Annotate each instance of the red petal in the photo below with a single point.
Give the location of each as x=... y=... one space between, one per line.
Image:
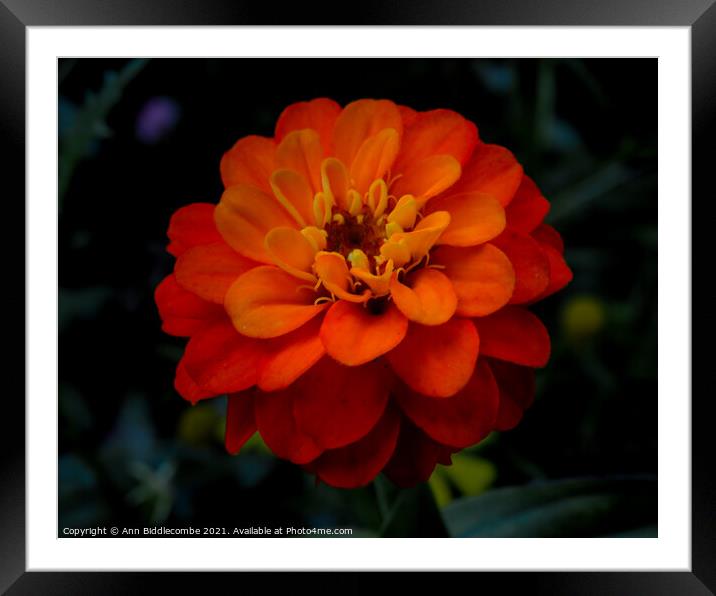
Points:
x=437 y=360
x=240 y=420
x=359 y=463
x=221 y=360
x=461 y=420
x=559 y=272
x=528 y=207
x=250 y=161
x=516 y=335
x=529 y=263
x=517 y=392
x=336 y=405
x=209 y=270
x=546 y=234
x=415 y=457
x=190 y=226
x=291 y=355
x=277 y=426
x=187 y=387
x=182 y=312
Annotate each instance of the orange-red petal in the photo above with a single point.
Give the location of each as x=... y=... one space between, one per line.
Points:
x=354 y=335
x=492 y=170
x=517 y=392
x=474 y=218
x=291 y=355
x=437 y=361
x=359 y=121
x=427 y=177
x=529 y=262
x=250 y=161
x=191 y=226
x=294 y=192
x=301 y=152
x=188 y=387
x=244 y=216
x=374 y=158
x=559 y=272
x=527 y=208
x=427 y=298
x=318 y=114
x=277 y=427
x=267 y=302
x=436 y=132
x=240 y=420
x=182 y=312
x=482 y=277
x=209 y=270
x=359 y=463
x=292 y=252
x=220 y=360
x=461 y=420
x=336 y=405
x=514 y=334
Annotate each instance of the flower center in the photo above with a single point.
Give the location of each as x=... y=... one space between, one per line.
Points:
x=346 y=233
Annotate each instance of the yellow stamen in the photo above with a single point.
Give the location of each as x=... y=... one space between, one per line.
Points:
x=391 y=228
x=378 y=197
x=358 y=259
x=316 y=237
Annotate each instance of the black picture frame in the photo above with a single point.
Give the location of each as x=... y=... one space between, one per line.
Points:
x=17 y=15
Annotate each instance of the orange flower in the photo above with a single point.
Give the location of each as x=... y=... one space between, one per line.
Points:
x=360 y=290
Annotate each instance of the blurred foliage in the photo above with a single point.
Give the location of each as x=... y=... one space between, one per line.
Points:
x=583 y=460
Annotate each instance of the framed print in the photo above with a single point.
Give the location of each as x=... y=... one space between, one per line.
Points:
x=420 y=286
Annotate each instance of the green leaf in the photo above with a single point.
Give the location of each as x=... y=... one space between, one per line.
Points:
x=576 y=507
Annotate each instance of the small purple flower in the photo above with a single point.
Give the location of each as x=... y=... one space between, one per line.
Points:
x=156 y=119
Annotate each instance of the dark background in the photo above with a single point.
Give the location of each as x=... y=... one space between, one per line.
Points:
x=132 y=452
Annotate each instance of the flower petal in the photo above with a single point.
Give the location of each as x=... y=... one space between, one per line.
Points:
x=528 y=207
x=291 y=355
x=415 y=456
x=220 y=360
x=332 y=269
x=516 y=335
x=529 y=262
x=250 y=161
x=267 y=302
x=437 y=361
x=209 y=270
x=240 y=420
x=374 y=158
x=244 y=216
x=427 y=177
x=359 y=463
x=301 y=152
x=492 y=170
x=277 y=427
x=474 y=218
x=294 y=192
x=182 y=312
x=353 y=335
x=319 y=114
x=517 y=392
x=336 y=405
x=436 y=132
x=461 y=420
x=546 y=234
x=428 y=298
x=424 y=235
x=559 y=272
x=361 y=120
x=188 y=387
x=292 y=252
x=482 y=277
x=191 y=226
